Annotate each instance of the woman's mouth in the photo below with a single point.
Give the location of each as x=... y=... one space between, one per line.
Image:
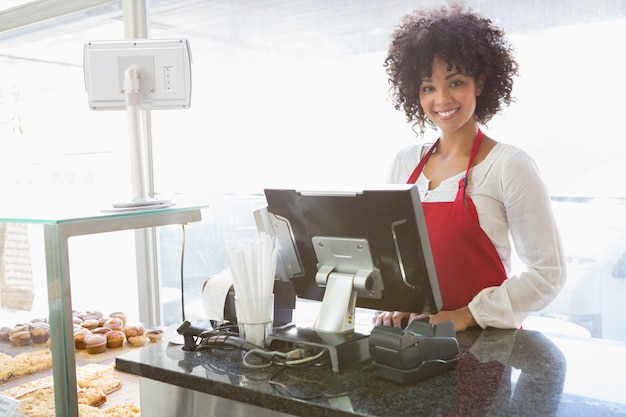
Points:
x=447 y=113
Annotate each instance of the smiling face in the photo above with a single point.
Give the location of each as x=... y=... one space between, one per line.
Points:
x=448 y=97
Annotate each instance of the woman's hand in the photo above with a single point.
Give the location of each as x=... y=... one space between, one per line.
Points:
x=462 y=318
x=397 y=319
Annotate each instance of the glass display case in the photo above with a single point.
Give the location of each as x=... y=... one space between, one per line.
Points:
x=58 y=226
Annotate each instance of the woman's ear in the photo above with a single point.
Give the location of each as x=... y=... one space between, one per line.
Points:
x=480 y=84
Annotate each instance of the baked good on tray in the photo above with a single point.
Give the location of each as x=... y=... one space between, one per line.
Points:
x=20 y=338
x=23 y=364
x=115 y=339
x=95 y=382
x=39 y=332
x=95 y=343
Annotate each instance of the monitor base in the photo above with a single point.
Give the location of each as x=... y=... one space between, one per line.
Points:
x=139 y=205
x=345 y=349
x=142 y=202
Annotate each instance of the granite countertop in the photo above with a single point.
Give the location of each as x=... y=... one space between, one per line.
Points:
x=500 y=373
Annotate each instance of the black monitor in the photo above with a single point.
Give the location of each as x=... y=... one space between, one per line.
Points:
x=366 y=248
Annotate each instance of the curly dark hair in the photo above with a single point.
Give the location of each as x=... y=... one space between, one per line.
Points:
x=465 y=40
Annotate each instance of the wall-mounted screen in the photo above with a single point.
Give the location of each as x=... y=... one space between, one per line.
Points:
x=163 y=68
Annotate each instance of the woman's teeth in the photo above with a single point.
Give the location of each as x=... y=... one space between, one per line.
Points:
x=447 y=113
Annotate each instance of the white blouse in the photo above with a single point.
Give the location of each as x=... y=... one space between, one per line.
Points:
x=513 y=206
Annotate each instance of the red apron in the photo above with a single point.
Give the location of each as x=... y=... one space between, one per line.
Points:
x=465 y=258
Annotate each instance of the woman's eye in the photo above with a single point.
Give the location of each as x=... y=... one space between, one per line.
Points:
x=427 y=89
x=456 y=83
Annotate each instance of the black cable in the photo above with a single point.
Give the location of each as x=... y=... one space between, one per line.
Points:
x=282 y=388
x=207 y=339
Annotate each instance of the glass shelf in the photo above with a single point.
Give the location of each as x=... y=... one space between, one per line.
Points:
x=59 y=224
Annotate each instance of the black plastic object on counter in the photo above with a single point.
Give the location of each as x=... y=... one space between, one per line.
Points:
x=415 y=353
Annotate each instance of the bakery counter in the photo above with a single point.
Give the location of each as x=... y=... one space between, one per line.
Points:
x=500 y=373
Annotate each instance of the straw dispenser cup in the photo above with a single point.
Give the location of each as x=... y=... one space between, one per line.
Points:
x=253 y=269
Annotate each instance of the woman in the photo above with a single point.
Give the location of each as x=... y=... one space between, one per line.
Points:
x=452 y=69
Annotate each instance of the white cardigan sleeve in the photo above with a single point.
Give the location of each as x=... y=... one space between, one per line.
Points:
x=526 y=209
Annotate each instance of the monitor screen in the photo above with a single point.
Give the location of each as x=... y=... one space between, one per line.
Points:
x=369 y=245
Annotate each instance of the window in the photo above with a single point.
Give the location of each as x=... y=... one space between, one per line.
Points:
x=299 y=88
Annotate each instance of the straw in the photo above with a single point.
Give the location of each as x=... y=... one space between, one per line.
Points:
x=253 y=268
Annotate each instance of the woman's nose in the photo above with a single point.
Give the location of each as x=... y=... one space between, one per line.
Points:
x=442 y=96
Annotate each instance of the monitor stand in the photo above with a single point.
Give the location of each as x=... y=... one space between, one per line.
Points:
x=345 y=349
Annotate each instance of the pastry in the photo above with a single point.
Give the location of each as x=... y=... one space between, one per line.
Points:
x=95 y=343
x=115 y=339
x=131 y=331
x=98 y=376
x=94 y=382
x=155 y=335
x=20 y=338
x=114 y=323
x=91 y=315
x=79 y=338
x=4 y=334
x=24 y=364
x=40 y=332
x=101 y=330
x=119 y=315
x=18 y=328
x=138 y=340
x=90 y=323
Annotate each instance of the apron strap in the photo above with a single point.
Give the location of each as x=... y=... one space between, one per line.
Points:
x=463 y=181
x=420 y=166
x=477 y=141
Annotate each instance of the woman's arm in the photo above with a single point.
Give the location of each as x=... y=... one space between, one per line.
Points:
x=533 y=230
